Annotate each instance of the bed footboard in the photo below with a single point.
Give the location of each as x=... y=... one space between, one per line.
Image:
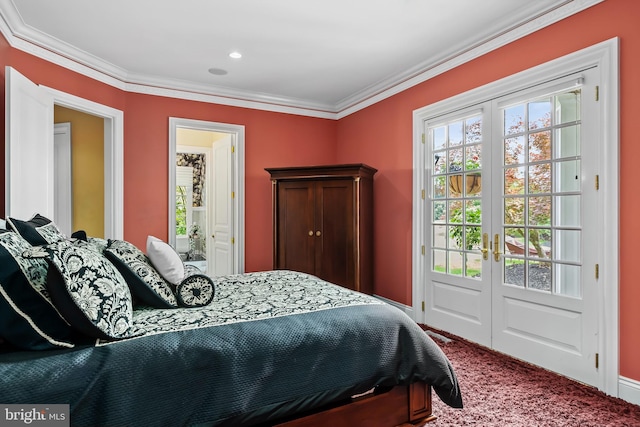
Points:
x=400 y=406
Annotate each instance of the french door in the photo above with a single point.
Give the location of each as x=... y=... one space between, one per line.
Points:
x=512 y=224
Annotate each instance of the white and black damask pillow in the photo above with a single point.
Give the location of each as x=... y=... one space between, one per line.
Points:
x=147 y=285
x=87 y=289
x=28 y=317
x=39 y=230
x=195 y=290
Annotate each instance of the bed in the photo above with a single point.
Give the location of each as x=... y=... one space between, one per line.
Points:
x=270 y=348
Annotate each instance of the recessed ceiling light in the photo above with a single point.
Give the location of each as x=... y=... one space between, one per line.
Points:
x=235 y=55
x=217 y=71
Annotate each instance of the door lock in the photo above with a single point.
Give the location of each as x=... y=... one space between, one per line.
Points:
x=485 y=246
x=496 y=247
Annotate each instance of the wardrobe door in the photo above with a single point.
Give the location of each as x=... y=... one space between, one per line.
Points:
x=335 y=225
x=296 y=239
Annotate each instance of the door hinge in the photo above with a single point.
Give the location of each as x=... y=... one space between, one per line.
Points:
x=423 y=138
x=233 y=149
x=597 y=271
x=597 y=93
x=233 y=240
x=422 y=305
x=422 y=249
x=233 y=194
x=597 y=182
x=597 y=360
x=422 y=194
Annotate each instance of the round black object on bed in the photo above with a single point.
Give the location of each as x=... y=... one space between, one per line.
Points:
x=195 y=290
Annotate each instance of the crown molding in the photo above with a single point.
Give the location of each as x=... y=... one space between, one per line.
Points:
x=243 y=102
x=221 y=95
x=25 y=38
x=427 y=70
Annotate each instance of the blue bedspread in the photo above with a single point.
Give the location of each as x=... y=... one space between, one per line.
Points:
x=269 y=344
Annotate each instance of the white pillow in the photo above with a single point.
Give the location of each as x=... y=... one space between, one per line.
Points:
x=165 y=259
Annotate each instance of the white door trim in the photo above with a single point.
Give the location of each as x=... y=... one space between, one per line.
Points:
x=238 y=180
x=113 y=157
x=604 y=56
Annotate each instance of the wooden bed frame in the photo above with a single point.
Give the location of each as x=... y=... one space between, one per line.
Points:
x=402 y=406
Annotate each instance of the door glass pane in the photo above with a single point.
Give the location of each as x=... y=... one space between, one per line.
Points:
x=439 y=233
x=541 y=198
x=567 y=279
x=514 y=180
x=539 y=114
x=539 y=275
x=439 y=260
x=455 y=263
x=514 y=120
x=455 y=133
x=439 y=138
x=567 y=211
x=473 y=266
x=567 y=142
x=514 y=210
x=567 y=245
x=514 y=150
x=456 y=222
x=567 y=107
x=539 y=212
x=514 y=271
x=540 y=178
x=567 y=176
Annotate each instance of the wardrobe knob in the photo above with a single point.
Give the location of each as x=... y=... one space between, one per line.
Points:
x=310 y=233
x=318 y=233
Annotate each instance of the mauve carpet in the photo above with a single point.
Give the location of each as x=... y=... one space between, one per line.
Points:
x=500 y=391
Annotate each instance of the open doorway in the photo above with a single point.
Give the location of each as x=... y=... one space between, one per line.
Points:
x=29 y=140
x=206 y=182
x=79 y=171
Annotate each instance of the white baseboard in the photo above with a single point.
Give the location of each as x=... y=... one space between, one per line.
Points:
x=629 y=390
x=408 y=310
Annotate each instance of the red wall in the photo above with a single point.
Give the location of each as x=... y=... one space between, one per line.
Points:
x=381 y=135
x=271 y=140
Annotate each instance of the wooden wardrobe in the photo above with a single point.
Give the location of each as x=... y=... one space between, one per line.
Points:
x=323 y=222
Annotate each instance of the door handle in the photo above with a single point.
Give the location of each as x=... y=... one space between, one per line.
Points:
x=485 y=246
x=496 y=247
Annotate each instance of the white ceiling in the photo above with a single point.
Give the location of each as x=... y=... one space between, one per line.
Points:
x=327 y=54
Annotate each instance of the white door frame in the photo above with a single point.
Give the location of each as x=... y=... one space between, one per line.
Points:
x=113 y=157
x=238 y=180
x=604 y=56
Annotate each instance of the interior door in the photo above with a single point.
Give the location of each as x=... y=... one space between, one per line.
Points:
x=513 y=225
x=221 y=255
x=29 y=146
x=63 y=182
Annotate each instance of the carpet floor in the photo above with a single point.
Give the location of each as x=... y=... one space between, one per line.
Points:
x=500 y=391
